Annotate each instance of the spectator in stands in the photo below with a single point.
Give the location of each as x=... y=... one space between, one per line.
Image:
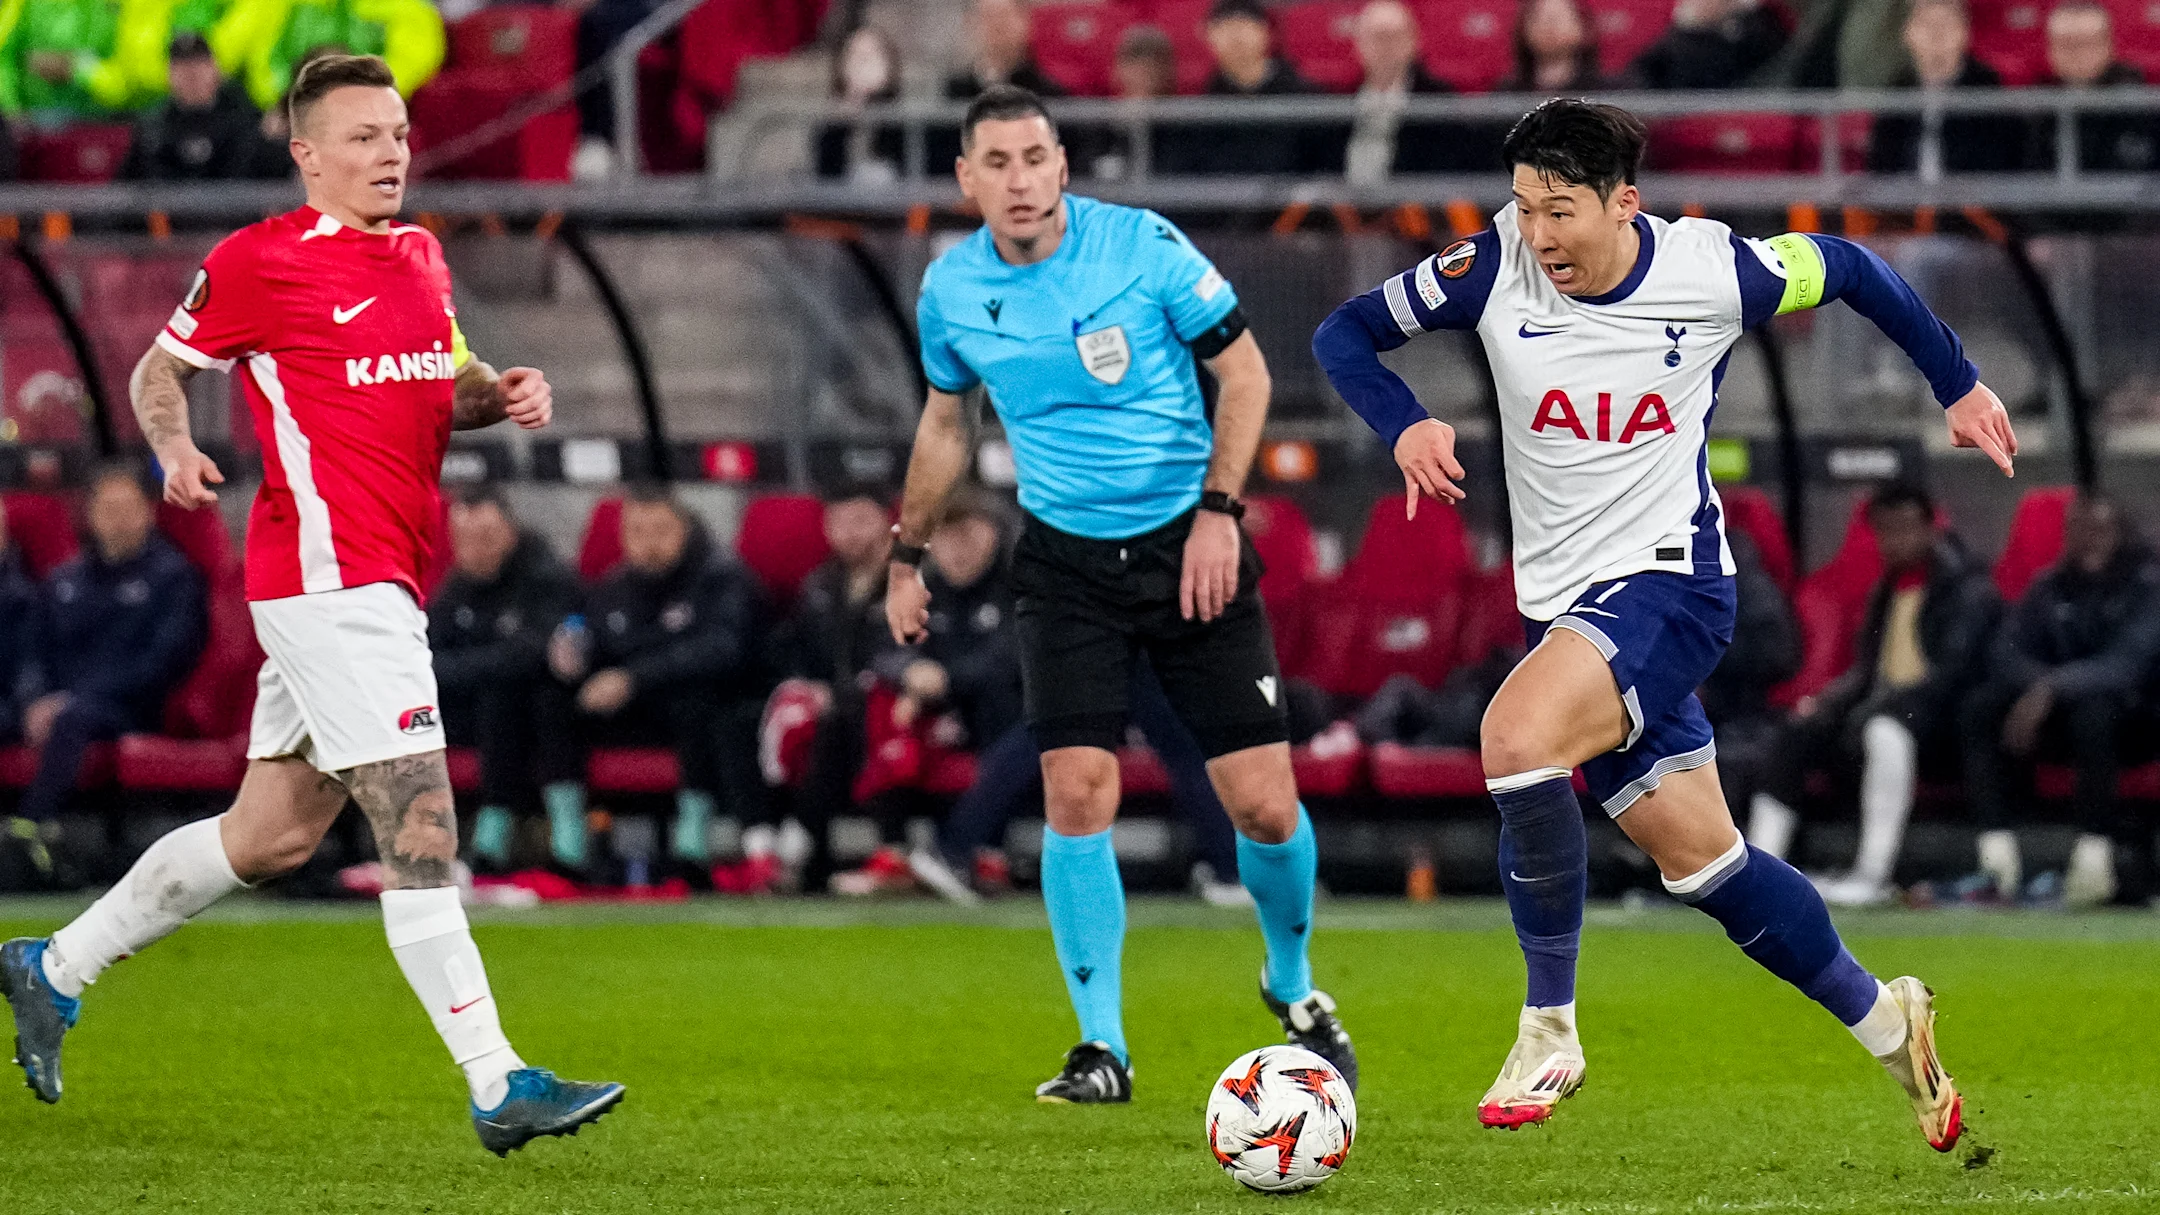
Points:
x=2069 y=670
x=1927 y=627
x=140 y=70
x=117 y=628
x=967 y=668
x=866 y=76
x=1144 y=67
x=838 y=630
x=670 y=650
x=1937 y=37
x=1764 y=653
x=1556 y=49
x=2081 y=55
x=56 y=60
x=18 y=610
x=601 y=24
x=1380 y=144
x=1243 y=45
x=1711 y=44
x=999 y=53
x=489 y=625
x=205 y=129
x=272 y=38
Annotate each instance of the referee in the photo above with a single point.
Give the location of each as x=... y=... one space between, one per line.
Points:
x=1087 y=323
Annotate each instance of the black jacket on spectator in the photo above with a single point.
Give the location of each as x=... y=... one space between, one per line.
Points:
x=125 y=634
x=2107 y=143
x=18 y=612
x=221 y=143
x=1243 y=147
x=829 y=640
x=1959 y=613
x=1765 y=649
x=700 y=622
x=971 y=635
x=485 y=632
x=2087 y=633
x=1714 y=57
x=1420 y=146
x=942 y=144
x=1971 y=143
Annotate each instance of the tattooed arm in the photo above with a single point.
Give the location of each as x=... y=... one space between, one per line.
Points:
x=521 y=394
x=407 y=803
x=159 y=392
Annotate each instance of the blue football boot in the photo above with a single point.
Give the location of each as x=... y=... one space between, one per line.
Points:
x=42 y=1015
x=538 y=1104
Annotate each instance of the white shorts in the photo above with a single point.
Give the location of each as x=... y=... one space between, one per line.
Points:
x=349 y=679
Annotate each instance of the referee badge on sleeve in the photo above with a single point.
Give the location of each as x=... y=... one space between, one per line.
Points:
x=1105 y=353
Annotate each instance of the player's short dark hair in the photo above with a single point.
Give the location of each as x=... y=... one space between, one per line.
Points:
x=1899 y=494
x=1002 y=103
x=1578 y=143
x=316 y=78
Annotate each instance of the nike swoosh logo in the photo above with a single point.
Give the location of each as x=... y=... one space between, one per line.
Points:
x=1526 y=331
x=455 y=1009
x=342 y=315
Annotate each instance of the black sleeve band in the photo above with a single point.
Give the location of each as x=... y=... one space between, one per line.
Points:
x=1218 y=339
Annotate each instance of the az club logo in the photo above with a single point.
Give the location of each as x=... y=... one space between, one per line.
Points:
x=417 y=721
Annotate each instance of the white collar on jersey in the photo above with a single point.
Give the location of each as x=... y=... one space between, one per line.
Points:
x=324 y=226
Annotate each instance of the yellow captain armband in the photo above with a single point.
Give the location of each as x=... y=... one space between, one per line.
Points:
x=1805 y=276
x=461 y=354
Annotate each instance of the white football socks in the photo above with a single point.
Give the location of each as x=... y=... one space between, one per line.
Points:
x=433 y=945
x=182 y=873
x=1882 y=1030
x=1890 y=764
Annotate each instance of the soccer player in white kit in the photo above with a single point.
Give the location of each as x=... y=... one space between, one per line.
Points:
x=1608 y=332
x=356 y=374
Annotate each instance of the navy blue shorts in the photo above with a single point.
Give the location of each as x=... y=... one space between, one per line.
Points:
x=1662 y=634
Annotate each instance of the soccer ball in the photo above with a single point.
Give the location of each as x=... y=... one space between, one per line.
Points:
x=1281 y=1119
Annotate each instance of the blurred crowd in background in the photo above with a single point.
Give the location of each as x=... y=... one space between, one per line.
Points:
x=190 y=89
x=760 y=688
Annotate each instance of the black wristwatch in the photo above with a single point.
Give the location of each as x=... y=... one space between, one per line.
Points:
x=904 y=553
x=1222 y=504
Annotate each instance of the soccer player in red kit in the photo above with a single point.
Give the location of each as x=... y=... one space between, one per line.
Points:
x=340 y=319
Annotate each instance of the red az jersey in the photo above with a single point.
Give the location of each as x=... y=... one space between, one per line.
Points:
x=350 y=346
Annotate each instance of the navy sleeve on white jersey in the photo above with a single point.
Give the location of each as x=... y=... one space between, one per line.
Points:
x=1811 y=270
x=1445 y=291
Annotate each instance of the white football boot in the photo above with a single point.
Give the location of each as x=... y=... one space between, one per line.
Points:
x=1935 y=1099
x=1545 y=1068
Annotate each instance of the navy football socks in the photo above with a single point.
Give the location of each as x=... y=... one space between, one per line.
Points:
x=1776 y=917
x=1545 y=869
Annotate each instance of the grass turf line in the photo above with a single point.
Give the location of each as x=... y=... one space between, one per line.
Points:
x=280 y=1065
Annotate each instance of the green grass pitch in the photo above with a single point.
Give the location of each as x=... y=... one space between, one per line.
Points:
x=803 y=1057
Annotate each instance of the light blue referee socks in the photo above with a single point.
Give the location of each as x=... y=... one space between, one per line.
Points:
x=565 y=802
x=1086 y=901
x=1281 y=877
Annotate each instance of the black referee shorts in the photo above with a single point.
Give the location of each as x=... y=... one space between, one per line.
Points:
x=1087 y=606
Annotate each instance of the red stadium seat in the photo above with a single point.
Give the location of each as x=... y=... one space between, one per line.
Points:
x=1830 y=607
x=632 y=770
x=2036 y=539
x=782 y=540
x=1468 y=43
x=1491 y=621
x=2056 y=782
x=43 y=526
x=2137 y=34
x=714 y=42
x=1416 y=772
x=1075 y=41
x=1749 y=510
x=1626 y=28
x=456 y=103
x=1410 y=559
x=180 y=765
x=601 y=548
x=1328 y=770
x=1141 y=773
x=950 y=774
x=1399 y=607
x=88 y=153
x=1729 y=143
x=1186 y=23
x=464 y=764
x=2011 y=37
x=19 y=764
x=1319 y=38
x=534 y=45
x=1283 y=537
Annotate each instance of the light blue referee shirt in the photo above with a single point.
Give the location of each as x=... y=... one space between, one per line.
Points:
x=1085 y=355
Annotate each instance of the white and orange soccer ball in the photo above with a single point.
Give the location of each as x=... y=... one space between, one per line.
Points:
x=1281 y=1119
